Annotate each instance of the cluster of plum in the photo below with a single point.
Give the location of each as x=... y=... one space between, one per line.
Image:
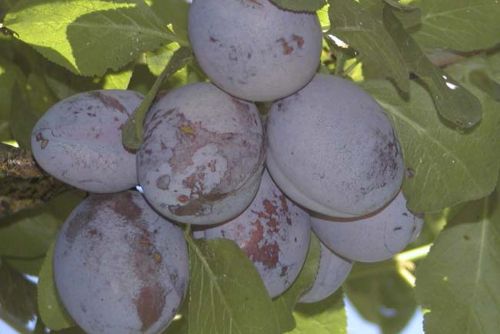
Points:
x=328 y=161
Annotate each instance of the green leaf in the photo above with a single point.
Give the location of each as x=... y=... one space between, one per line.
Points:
x=133 y=130
x=285 y=303
x=28 y=234
x=458 y=281
x=39 y=94
x=406 y=7
x=444 y=167
x=26 y=266
x=51 y=310
x=22 y=117
x=325 y=317
x=91 y=36
x=455 y=103
x=64 y=83
x=360 y=29
x=484 y=82
x=117 y=80
x=459 y=24
x=173 y=12
x=7 y=80
x=227 y=295
x=17 y=296
x=382 y=298
x=300 y=5
x=157 y=60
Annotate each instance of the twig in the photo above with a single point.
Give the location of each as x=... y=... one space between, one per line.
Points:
x=23 y=185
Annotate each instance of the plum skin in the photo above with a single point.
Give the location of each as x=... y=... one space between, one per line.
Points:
x=374 y=238
x=273 y=232
x=332 y=149
x=202 y=155
x=78 y=141
x=253 y=49
x=119 y=267
x=332 y=272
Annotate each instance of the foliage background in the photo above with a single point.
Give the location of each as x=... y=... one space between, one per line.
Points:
x=433 y=65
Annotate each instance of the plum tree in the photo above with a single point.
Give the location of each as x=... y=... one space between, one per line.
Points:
x=78 y=141
x=373 y=238
x=332 y=149
x=273 y=232
x=253 y=49
x=202 y=155
x=119 y=267
x=333 y=271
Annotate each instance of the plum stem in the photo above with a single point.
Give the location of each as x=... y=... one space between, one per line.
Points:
x=132 y=132
x=403 y=263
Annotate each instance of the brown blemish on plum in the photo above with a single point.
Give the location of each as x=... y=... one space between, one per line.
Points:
x=197 y=206
x=240 y=105
x=183 y=198
x=269 y=207
x=149 y=304
x=110 y=102
x=287 y=49
x=146 y=263
x=78 y=222
x=213 y=39
x=191 y=136
x=259 y=249
x=123 y=205
x=284 y=271
x=42 y=140
x=163 y=182
x=385 y=166
x=227 y=143
x=299 y=40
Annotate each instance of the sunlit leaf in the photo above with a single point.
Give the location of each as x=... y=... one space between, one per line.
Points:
x=459 y=24
x=50 y=307
x=360 y=29
x=88 y=36
x=227 y=295
x=325 y=317
x=286 y=302
x=174 y=12
x=17 y=296
x=458 y=281
x=117 y=80
x=157 y=60
x=29 y=233
x=455 y=103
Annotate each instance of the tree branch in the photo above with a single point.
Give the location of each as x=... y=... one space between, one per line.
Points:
x=23 y=185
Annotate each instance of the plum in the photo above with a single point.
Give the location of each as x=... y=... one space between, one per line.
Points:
x=78 y=141
x=332 y=149
x=273 y=232
x=119 y=267
x=374 y=238
x=253 y=49
x=333 y=271
x=202 y=155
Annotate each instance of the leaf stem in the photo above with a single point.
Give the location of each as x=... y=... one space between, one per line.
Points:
x=403 y=263
x=132 y=132
x=414 y=254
